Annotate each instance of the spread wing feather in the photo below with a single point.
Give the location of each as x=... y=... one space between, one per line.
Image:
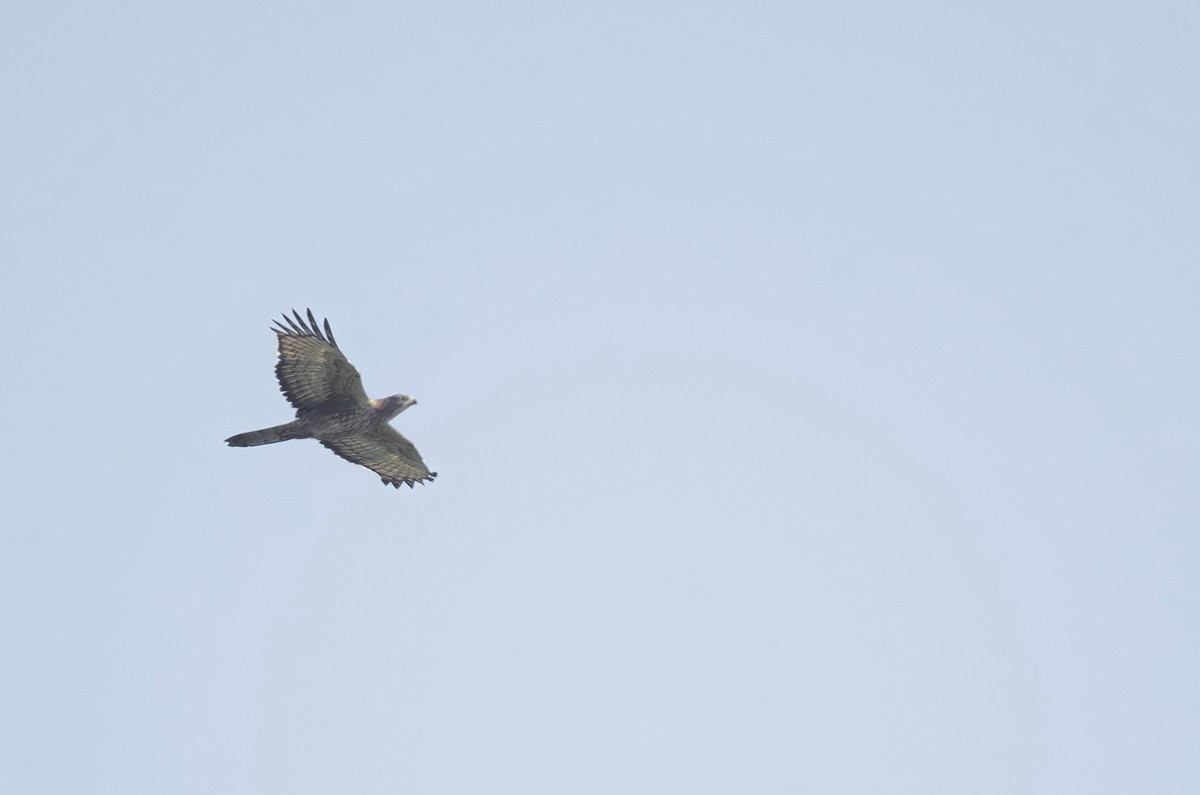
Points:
x=312 y=370
x=386 y=453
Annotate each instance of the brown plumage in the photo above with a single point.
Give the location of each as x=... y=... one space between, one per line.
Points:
x=333 y=408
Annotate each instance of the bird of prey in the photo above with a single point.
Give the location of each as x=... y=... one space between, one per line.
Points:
x=332 y=407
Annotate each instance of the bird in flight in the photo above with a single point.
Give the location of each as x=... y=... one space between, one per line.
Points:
x=332 y=407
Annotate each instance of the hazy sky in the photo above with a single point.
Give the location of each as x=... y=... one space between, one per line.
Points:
x=813 y=388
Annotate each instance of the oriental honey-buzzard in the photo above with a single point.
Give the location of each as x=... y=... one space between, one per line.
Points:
x=332 y=407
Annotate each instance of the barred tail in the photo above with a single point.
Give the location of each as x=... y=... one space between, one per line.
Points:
x=279 y=433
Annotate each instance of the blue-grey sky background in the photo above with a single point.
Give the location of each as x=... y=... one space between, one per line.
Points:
x=813 y=387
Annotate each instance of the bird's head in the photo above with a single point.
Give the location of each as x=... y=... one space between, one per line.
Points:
x=395 y=404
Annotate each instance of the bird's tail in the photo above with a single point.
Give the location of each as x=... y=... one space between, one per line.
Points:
x=279 y=433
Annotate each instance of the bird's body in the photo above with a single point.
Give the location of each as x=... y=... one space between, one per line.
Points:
x=332 y=407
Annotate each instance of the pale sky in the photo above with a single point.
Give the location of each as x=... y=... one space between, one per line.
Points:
x=813 y=388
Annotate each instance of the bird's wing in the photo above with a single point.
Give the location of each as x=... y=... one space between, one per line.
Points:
x=386 y=453
x=312 y=370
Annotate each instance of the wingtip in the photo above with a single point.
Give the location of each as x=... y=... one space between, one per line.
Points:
x=410 y=482
x=298 y=325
